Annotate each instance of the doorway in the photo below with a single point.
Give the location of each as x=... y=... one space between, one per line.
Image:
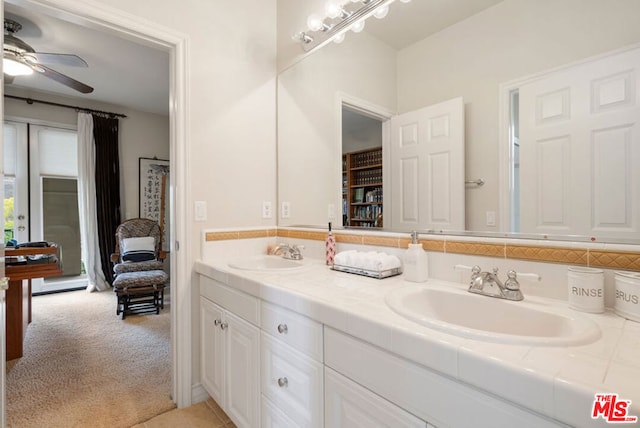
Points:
x=110 y=20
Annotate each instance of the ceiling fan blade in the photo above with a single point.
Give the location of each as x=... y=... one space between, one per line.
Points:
x=60 y=59
x=61 y=78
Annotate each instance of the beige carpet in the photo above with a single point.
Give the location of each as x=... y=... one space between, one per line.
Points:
x=85 y=367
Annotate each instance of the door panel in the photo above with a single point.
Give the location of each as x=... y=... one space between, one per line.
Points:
x=585 y=124
x=427 y=164
x=16 y=180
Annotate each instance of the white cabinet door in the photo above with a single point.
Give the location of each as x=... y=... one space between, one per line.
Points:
x=211 y=346
x=243 y=371
x=348 y=405
x=427 y=168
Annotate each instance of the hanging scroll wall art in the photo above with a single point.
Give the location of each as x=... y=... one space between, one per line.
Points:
x=154 y=194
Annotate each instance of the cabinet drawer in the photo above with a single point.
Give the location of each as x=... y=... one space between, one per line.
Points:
x=348 y=405
x=242 y=304
x=272 y=417
x=420 y=391
x=293 y=382
x=295 y=330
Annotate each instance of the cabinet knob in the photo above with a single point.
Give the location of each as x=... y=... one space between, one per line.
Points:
x=283 y=382
x=224 y=325
x=283 y=329
x=217 y=322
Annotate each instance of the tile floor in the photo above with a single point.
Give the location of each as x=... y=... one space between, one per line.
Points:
x=205 y=414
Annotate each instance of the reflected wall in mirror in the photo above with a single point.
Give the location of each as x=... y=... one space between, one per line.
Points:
x=475 y=58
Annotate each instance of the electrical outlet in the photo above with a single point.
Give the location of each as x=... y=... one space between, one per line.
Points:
x=285 y=210
x=200 y=211
x=491 y=218
x=266 y=209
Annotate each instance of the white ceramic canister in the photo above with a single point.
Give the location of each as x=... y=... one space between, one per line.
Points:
x=586 y=289
x=627 y=303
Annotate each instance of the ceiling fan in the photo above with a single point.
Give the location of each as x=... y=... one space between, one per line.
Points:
x=20 y=59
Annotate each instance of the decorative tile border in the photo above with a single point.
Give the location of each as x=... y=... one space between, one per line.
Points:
x=612 y=259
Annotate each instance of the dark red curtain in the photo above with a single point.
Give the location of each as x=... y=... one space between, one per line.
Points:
x=105 y=133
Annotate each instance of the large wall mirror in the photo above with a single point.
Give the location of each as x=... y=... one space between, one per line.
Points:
x=550 y=95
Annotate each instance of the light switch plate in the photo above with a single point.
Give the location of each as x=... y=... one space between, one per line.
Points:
x=200 y=211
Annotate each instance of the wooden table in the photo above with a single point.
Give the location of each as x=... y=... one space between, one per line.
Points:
x=18 y=296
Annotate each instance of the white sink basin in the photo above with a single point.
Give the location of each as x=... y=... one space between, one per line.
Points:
x=479 y=317
x=265 y=263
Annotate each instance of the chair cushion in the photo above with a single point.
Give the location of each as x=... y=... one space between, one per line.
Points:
x=138 y=249
x=137 y=266
x=149 y=278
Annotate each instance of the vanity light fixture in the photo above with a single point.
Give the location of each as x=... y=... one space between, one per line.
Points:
x=339 y=17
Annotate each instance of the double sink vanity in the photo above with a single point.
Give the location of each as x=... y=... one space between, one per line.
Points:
x=294 y=343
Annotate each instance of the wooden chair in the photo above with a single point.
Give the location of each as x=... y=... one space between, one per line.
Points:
x=138 y=267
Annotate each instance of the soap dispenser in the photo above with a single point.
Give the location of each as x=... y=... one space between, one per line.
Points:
x=416 y=262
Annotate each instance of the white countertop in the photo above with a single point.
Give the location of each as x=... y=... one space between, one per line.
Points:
x=559 y=382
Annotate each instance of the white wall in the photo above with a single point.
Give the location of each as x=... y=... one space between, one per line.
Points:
x=309 y=115
x=141 y=134
x=513 y=39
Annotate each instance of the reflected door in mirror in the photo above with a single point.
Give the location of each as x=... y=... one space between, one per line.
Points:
x=579 y=149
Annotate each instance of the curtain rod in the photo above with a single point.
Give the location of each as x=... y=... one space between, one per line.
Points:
x=76 y=108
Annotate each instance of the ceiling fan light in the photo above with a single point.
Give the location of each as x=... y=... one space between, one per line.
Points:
x=15 y=68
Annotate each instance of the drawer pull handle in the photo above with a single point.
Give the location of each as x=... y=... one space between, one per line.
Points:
x=224 y=325
x=283 y=382
x=283 y=329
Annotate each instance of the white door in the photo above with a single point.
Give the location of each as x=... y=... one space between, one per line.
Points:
x=427 y=168
x=243 y=371
x=579 y=141
x=16 y=180
x=53 y=188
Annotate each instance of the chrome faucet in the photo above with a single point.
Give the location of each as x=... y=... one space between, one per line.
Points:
x=291 y=252
x=509 y=290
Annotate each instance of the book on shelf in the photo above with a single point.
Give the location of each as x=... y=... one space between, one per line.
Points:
x=358 y=195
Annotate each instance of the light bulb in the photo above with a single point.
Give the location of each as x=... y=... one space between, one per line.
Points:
x=15 y=68
x=333 y=9
x=405 y=1
x=358 y=26
x=381 y=12
x=314 y=22
x=339 y=38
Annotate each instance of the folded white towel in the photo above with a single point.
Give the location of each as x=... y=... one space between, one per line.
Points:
x=370 y=260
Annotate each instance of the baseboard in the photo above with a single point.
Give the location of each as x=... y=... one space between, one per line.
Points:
x=198 y=393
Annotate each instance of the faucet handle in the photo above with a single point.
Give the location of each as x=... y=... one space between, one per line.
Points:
x=512 y=282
